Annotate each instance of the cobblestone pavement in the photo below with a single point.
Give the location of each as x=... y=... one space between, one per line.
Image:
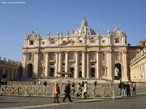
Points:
x=137 y=102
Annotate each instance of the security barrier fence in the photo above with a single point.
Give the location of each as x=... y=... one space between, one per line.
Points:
x=101 y=90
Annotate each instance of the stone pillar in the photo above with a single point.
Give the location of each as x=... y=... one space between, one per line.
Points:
x=83 y=64
x=88 y=66
x=124 y=70
x=60 y=63
x=46 y=65
x=76 y=65
x=24 y=66
x=56 y=64
x=97 y=65
x=66 y=62
x=36 y=65
x=109 y=65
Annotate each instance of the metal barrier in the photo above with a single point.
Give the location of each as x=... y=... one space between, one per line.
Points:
x=102 y=90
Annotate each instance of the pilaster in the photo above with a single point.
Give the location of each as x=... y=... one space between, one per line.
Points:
x=109 y=65
x=76 y=65
x=24 y=66
x=97 y=65
x=83 y=64
x=124 y=72
x=60 y=63
x=66 y=62
x=46 y=64
x=88 y=65
x=56 y=64
x=36 y=64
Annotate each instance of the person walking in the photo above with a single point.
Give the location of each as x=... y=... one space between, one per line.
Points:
x=84 y=90
x=123 y=93
x=56 y=93
x=67 y=91
x=95 y=86
x=128 y=89
x=73 y=88
x=120 y=88
x=133 y=89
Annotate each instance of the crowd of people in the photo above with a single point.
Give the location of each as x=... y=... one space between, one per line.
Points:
x=127 y=89
x=70 y=90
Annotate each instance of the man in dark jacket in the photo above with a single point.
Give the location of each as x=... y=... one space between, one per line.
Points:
x=67 y=91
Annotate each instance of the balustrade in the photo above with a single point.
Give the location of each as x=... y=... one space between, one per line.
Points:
x=102 y=90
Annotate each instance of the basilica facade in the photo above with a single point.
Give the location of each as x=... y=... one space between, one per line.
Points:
x=83 y=53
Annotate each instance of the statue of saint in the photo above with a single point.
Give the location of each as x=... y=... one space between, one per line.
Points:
x=116 y=71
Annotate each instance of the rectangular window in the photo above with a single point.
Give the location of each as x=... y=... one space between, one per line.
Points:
x=103 y=41
x=29 y=57
x=92 y=56
x=116 y=40
x=71 y=56
x=52 y=41
x=51 y=56
x=43 y=42
x=80 y=41
x=31 y=42
x=117 y=56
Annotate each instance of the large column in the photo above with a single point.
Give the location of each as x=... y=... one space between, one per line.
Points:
x=36 y=65
x=60 y=63
x=46 y=64
x=66 y=62
x=24 y=66
x=97 y=65
x=88 y=66
x=56 y=64
x=124 y=72
x=83 y=64
x=76 y=65
x=109 y=65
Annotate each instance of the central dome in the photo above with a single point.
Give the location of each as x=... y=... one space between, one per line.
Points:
x=84 y=29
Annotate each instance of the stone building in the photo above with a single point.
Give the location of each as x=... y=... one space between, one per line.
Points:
x=83 y=53
x=9 y=70
x=138 y=64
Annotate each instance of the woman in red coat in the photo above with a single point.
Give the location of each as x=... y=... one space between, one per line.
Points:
x=56 y=93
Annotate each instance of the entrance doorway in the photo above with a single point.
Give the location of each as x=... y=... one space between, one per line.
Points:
x=80 y=74
x=30 y=70
x=52 y=72
x=72 y=72
x=92 y=72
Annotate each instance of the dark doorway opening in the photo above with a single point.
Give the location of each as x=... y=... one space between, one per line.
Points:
x=52 y=72
x=92 y=72
x=30 y=70
x=80 y=74
x=72 y=72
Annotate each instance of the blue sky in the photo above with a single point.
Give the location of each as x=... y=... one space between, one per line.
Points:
x=44 y=16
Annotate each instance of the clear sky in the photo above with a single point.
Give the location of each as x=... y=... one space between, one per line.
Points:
x=44 y=16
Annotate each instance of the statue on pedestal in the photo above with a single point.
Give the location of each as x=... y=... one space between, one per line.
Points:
x=116 y=71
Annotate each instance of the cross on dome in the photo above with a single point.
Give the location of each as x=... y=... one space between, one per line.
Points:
x=84 y=29
x=84 y=22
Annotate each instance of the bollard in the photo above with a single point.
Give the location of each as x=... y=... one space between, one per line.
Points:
x=113 y=94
